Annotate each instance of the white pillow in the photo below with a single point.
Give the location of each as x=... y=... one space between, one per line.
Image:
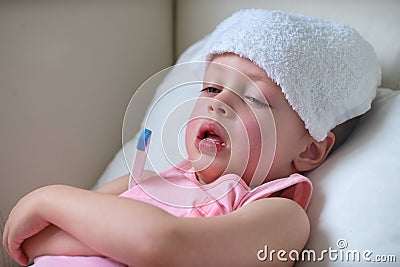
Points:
x=355 y=191
x=355 y=195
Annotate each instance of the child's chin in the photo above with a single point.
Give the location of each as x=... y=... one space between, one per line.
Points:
x=208 y=173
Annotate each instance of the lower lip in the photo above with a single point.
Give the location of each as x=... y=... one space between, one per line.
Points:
x=208 y=146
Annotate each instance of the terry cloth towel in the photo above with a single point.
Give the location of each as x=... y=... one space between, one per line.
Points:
x=327 y=71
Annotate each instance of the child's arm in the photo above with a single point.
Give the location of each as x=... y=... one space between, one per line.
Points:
x=54 y=241
x=139 y=234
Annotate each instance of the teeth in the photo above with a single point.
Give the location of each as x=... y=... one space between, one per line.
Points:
x=214 y=141
x=211 y=136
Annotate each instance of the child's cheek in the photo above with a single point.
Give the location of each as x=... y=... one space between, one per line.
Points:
x=253 y=136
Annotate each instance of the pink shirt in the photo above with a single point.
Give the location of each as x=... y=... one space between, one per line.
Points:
x=178 y=192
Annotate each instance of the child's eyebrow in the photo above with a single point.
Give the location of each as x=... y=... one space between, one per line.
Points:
x=255 y=77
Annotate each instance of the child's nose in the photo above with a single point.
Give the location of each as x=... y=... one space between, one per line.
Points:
x=222 y=104
x=217 y=107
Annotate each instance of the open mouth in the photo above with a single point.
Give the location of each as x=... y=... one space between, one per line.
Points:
x=210 y=137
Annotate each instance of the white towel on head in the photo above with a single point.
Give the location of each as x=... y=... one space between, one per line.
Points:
x=327 y=71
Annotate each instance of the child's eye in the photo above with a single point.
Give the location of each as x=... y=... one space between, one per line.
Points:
x=257 y=102
x=211 y=90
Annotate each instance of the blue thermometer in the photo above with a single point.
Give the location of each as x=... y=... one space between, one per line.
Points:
x=142 y=147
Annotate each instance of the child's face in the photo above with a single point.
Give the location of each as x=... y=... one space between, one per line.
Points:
x=242 y=125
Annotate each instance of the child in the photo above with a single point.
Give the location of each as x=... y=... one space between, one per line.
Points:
x=306 y=76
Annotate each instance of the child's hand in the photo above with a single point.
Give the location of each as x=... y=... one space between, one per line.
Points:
x=23 y=222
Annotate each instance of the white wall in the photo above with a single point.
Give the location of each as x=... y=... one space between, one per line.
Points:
x=67 y=72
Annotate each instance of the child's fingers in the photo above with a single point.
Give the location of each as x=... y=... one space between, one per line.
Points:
x=13 y=249
x=5 y=237
x=17 y=254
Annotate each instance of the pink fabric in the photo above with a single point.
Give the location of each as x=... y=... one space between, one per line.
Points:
x=178 y=192
x=75 y=261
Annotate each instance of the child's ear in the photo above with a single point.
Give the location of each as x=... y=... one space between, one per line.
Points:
x=314 y=153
